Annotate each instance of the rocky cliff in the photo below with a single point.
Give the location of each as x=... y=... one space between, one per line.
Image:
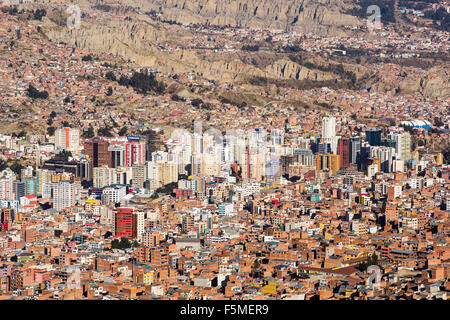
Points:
x=305 y=15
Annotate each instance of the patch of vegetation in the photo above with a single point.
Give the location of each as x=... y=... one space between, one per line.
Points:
x=89 y=133
x=87 y=58
x=440 y=17
x=124 y=243
x=253 y=48
x=143 y=82
x=104 y=132
x=39 y=13
x=34 y=93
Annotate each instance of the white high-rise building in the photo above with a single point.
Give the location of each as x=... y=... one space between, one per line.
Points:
x=67 y=139
x=140 y=224
x=328 y=128
x=104 y=176
x=62 y=194
x=7 y=178
x=114 y=193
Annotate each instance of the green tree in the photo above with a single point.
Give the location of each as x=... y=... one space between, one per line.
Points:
x=123 y=131
x=89 y=133
x=51 y=131
x=135 y=244
x=125 y=243
x=105 y=132
x=16 y=167
x=32 y=92
x=115 y=244
x=110 y=76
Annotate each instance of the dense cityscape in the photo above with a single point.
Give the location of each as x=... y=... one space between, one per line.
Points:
x=121 y=180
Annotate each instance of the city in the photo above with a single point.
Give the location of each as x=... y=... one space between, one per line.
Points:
x=122 y=180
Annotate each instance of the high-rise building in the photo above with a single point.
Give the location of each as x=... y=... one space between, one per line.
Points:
x=154 y=142
x=139 y=175
x=61 y=194
x=328 y=128
x=7 y=178
x=373 y=137
x=97 y=150
x=67 y=139
x=402 y=145
x=304 y=157
x=19 y=189
x=114 y=193
x=125 y=223
x=163 y=172
x=355 y=150
x=134 y=151
x=117 y=155
x=385 y=155
x=31 y=185
x=44 y=176
x=6 y=218
x=343 y=151
x=187 y=223
x=104 y=176
x=328 y=161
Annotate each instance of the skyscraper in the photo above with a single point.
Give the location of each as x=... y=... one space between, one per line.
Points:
x=328 y=128
x=125 y=223
x=134 y=151
x=373 y=137
x=343 y=151
x=67 y=139
x=7 y=177
x=19 y=189
x=62 y=194
x=97 y=150
x=355 y=150
x=402 y=145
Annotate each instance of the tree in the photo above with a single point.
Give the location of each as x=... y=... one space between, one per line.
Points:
x=105 y=132
x=32 y=92
x=115 y=244
x=124 y=243
x=89 y=133
x=123 y=131
x=250 y=48
x=51 y=131
x=16 y=167
x=3 y=165
x=86 y=58
x=64 y=154
x=438 y=122
x=196 y=102
x=110 y=76
x=372 y=260
x=143 y=83
x=39 y=13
